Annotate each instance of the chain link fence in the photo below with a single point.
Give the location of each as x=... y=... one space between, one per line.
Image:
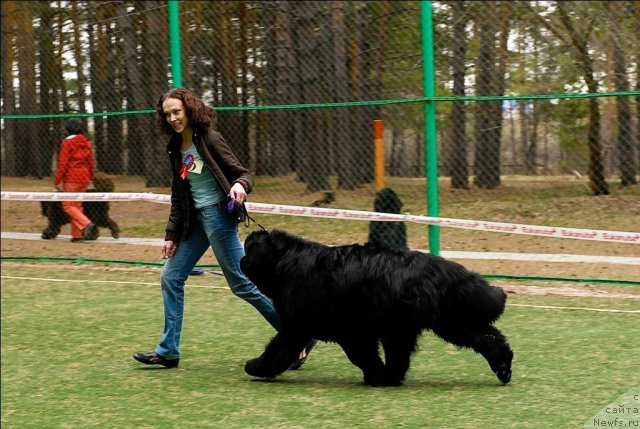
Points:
x=274 y=71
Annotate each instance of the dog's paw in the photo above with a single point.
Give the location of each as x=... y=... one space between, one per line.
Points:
x=379 y=379
x=255 y=368
x=49 y=234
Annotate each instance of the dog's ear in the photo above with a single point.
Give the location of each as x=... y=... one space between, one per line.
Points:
x=256 y=238
x=255 y=235
x=281 y=241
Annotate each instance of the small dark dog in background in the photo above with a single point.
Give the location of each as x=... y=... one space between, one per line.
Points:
x=97 y=211
x=388 y=235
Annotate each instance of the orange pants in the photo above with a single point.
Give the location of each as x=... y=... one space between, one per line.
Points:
x=74 y=209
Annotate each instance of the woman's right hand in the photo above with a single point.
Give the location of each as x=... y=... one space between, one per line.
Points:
x=168 y=249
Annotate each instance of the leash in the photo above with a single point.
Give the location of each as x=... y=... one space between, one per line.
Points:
x=248 y=219
x=232 y=207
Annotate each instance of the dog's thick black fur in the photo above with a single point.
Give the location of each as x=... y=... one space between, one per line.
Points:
x=96 y=211
x=387 y=235
x=360 y=296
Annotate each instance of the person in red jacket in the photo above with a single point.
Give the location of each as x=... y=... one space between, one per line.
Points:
x=75 y=172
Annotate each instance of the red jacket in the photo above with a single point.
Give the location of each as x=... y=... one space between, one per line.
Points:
x=75 y=161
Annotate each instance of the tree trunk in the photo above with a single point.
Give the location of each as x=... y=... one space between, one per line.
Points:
x=9 y=144
x=530 y=141
x=366 y=55
x=60 y=81
x=76 y=16
x=358 y=155
x=624 y=138
x=313 y=166
x=26 y=57
x=340 y=91
x=512 y=141
x=498 y=73
x=259 y=118
x=243 y=148
x=156 y=165
x=597 y=180
x=459 y=168
x=197 y=69
x=229 y=123
x=114 y=144
x=275 y=152
x=636 y=7
x=524 y=135
x=134 y=92
x=187 y=11
x=99 y=65
x=42 y=156
x=487 y=163
x=532 y=149
x=396 y=148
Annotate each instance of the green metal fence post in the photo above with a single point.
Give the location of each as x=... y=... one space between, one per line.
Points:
x=431 y=148
x=174 y=42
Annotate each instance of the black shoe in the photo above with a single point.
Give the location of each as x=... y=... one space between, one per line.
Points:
x=77 y=240
x=154 y=358
x=304 y=355
x=88 y=231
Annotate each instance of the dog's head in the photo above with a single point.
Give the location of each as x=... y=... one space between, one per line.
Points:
x=103 y=182
x=259 y=260
x=268 y=255
x=387 y=201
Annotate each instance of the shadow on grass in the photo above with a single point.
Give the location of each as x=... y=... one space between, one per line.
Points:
x=439 y=385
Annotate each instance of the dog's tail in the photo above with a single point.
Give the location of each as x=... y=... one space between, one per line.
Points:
x=476 y=301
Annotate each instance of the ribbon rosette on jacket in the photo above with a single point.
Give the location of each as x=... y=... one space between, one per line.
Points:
x=187 y=164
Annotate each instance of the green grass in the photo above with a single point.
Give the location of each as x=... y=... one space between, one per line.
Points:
x=66 y=363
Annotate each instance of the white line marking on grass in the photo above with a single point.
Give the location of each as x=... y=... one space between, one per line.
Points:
x=553 y=307
x=103 y=281
x=546 y=307
x=542 y=257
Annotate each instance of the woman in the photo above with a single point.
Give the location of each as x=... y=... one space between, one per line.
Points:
x=74 y=173
x=205 y=174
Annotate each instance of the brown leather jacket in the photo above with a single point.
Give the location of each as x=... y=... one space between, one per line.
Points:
x=224 y=166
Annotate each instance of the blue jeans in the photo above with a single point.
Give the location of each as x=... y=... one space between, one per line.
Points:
x=220 y=231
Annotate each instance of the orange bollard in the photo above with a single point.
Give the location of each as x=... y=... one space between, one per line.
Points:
x=378 y=141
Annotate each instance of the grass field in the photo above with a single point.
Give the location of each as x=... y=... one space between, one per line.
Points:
x=67 y=345
x=69 y=330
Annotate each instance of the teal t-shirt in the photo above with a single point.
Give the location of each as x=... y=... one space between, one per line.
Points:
x=204 y=187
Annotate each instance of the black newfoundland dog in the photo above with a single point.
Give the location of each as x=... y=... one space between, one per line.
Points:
x=388 y=235
x=360 y=296
x=97 y=211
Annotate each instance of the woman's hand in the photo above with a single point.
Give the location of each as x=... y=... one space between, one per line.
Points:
x=238 y=194
x=168 y=249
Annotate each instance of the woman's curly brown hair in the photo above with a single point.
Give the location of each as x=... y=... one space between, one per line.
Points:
x=199 y=115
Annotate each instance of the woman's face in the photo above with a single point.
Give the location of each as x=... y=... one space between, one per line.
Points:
x=175 y=114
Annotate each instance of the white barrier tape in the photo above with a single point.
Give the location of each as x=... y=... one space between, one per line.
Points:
x=86 y=196
x=513 y=228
